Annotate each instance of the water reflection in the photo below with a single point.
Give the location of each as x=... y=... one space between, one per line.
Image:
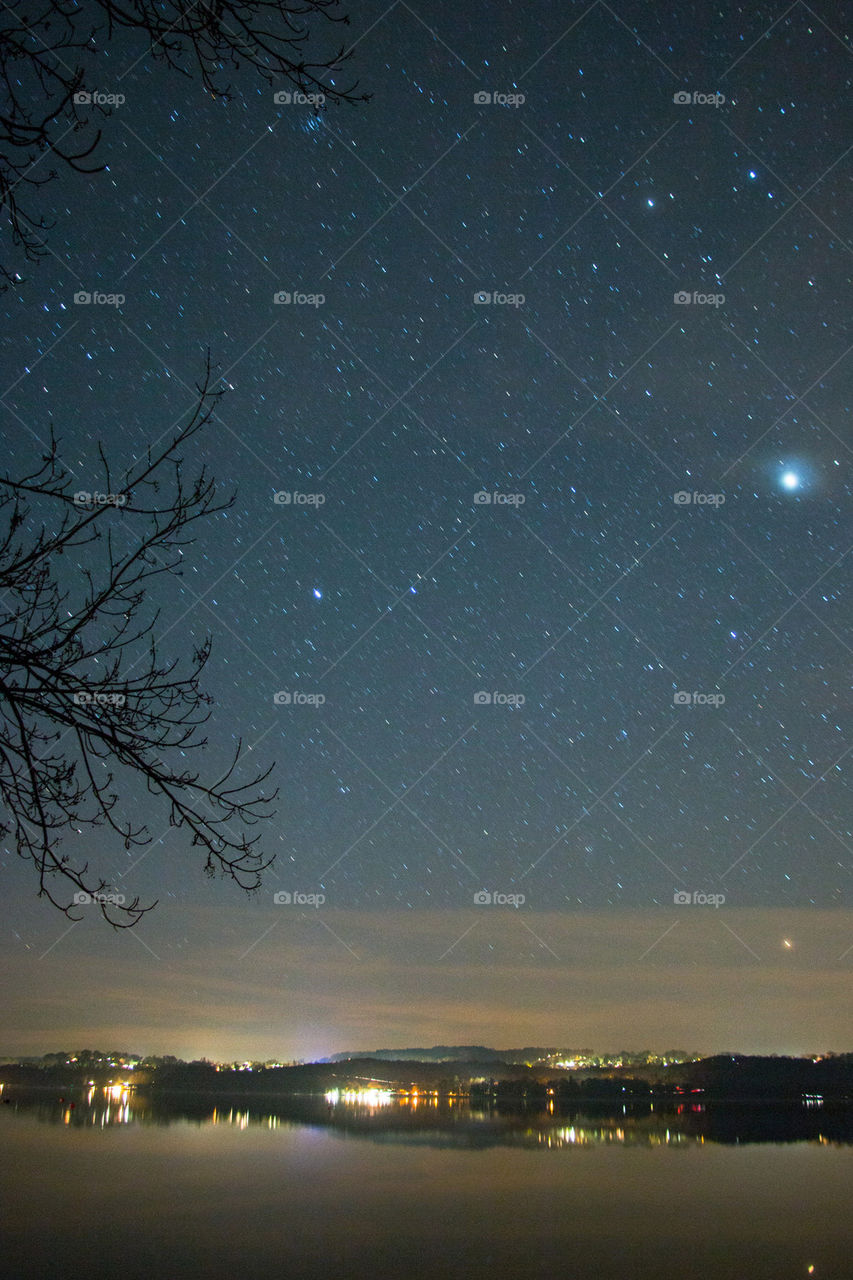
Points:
x=427 y=1119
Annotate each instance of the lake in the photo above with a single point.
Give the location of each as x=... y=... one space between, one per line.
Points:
x=121 y=1186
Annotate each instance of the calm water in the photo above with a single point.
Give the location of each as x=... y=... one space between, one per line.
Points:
x=117 y=1187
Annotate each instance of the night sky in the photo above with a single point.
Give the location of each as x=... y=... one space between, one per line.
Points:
x=503 y=315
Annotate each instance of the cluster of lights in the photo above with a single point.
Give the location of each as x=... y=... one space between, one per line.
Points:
x=364 y=1097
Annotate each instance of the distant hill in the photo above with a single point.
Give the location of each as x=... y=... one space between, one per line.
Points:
x=448 y=1053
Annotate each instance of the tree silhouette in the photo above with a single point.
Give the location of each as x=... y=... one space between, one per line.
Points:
x=83 y=689
x=49 y=49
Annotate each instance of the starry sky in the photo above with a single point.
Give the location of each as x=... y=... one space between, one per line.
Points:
x=562 y=386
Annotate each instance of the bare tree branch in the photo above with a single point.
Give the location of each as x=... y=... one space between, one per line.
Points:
x=83 y=687
x=51 y=50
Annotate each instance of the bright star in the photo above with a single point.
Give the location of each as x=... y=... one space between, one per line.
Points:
x=318 y=595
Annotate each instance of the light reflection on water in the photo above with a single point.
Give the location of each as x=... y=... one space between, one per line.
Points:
x=368 y=1188
x=426 y=1119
